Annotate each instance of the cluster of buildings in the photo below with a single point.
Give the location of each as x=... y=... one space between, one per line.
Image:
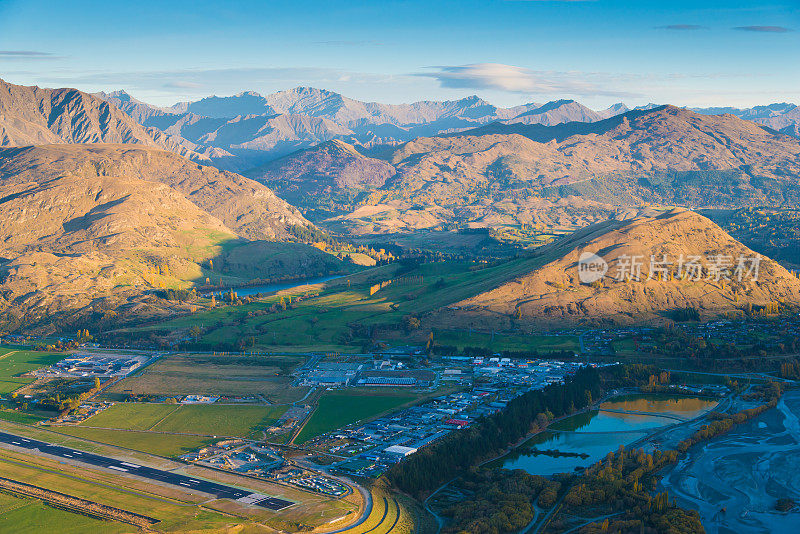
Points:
x=199 y=399
x=521 y=373
x=703 y=389
x=84 y=412
x=320 y=484
x=247 y=457
x=89 y=365
x=768 y=333
x=297 y=476
x=373 y=447
x=744 y=331
x=330 y=374
x=380 y=373
x=211 y=451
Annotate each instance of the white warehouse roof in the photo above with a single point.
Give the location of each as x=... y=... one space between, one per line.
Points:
x=400 y=450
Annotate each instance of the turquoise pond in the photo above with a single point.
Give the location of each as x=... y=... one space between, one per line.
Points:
x=594 y=434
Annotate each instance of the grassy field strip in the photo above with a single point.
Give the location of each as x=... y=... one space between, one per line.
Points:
x=98 y=487
x=19 y=417
x=46 y=467
x=165 y=445
x=149 y=431
x=339 y=409
x=188 y=419
x=32 y=515
x=288 y=492
x=130 y=416
x=56 y=436
x=178 y=512
x=380 y=508
x=389 y=519
x=162 y=419
x=500 y=342
x=70 y=502
x=240 y=421
x=160 y=462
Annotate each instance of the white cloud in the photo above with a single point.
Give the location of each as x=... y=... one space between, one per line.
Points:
x=26 y=55
x=179 y=84
x=497 y=76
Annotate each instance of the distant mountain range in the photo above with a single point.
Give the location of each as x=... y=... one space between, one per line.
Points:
x=782 y=117
x=249 y=129
x=567 y=175
x=99 y=211
x=107 y=200
x=36 y=116
x=370 y=168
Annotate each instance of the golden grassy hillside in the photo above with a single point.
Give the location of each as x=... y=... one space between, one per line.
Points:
x=554 y=292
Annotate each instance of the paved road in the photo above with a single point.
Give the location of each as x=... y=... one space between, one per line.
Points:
x=182 y=481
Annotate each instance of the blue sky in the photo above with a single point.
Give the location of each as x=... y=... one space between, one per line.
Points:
x=694 y=53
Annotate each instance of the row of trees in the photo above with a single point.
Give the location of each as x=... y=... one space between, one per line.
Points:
x=790 y=369
x=63 y=396
x=180 y=295
x=709 y=355
x=770 y=393
x=620 y=485
x=502 y=501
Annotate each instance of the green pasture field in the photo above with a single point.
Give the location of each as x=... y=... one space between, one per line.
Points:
x=624 y=347
x=501 y=342
x=322 y=321
x=14 y=363
x=206 y=419
x=131 y=416
x=168 y=445
x=22 y=514
x=19 y=417
x=339 y=408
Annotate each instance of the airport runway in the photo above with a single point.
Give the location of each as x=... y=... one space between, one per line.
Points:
x=182 y=481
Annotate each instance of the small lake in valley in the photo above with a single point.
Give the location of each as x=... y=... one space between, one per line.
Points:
x=582 y=439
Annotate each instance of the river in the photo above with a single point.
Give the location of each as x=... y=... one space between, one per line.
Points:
x=744 y=472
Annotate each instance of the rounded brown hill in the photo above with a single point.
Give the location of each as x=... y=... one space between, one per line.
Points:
x=94 y=229
x=555 y=291
x=247 y=207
